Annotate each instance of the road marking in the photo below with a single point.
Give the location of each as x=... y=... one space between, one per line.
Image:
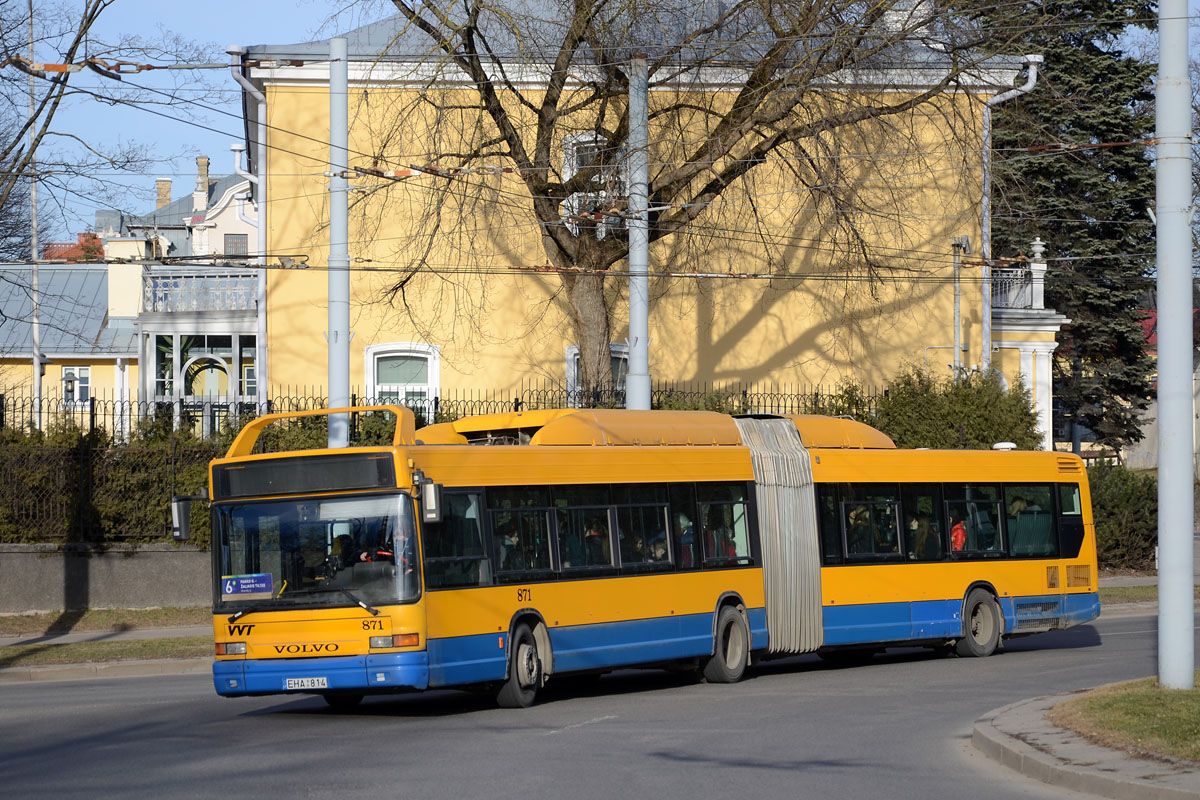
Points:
x=580 y=724
x=1130 y=633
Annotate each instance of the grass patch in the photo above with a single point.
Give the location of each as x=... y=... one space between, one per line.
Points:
x=35 y=655
x=1137 y=717
x=120 y=619
x=1132 y=594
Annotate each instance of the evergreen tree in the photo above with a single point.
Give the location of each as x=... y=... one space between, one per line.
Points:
x=1063 y=172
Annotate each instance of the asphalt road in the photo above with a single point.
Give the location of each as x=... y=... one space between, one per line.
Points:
x=897 y=728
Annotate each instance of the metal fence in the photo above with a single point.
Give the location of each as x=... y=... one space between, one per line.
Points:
x=206 y=416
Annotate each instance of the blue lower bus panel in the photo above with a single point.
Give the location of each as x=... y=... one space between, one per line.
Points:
x=337 y=673
x=942 y=619
x=483 y=658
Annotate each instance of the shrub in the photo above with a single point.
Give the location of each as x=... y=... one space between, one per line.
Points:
x=975 y=411
x=1125 y=509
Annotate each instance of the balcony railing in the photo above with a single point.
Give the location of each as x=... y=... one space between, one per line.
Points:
x=1012 y=287
x=199 y=291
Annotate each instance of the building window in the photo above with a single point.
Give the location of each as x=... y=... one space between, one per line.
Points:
x=76 y=385
x=249 y=380
x=407 y=373
x=604 y=189
x=619 y=355
x=237 y=244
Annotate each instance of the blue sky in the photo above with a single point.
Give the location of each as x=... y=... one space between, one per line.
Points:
x=215 y=23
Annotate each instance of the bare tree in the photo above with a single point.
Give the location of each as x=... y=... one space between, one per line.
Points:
x=777 y=128
x=67 y=161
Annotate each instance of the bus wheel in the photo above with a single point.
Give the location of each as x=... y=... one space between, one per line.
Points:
x=981 y=625
x=342 y=702
x=524 y=671
x=732 y=643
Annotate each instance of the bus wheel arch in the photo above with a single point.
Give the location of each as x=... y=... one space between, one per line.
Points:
x=982 y=622
x=731 y=642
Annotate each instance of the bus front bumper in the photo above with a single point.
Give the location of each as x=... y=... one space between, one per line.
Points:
x=366 y=673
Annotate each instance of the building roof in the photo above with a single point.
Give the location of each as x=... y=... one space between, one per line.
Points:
x=171 y=221
x=73 y=313
x=541 y=26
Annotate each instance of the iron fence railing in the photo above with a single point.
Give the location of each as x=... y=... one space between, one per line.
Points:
x=208 y=416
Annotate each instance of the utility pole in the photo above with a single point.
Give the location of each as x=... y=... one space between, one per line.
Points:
x=962 y=244
x=33 y=240
x=637 y=380
x=1173 y=204
x=338 y=335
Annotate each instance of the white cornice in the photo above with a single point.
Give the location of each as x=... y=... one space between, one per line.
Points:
x=533 y=76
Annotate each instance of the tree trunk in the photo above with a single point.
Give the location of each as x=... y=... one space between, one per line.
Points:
x=590 y=312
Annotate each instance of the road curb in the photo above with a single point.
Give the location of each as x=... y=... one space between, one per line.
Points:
x=1018 y=737
x=106 y=669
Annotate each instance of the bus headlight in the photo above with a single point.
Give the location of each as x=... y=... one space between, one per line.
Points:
x=399 y=640
x=231 y=648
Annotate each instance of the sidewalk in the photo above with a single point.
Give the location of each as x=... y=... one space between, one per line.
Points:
x=1018 y=736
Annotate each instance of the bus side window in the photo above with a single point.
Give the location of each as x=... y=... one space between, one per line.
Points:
x=684 y=530
x=724 y=523
x=520 y=528
x=1029 y=515
x=831 y=528
x=1070 y=520
x=453 y=548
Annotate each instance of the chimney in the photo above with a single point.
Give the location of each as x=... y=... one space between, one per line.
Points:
x=200 y=196
x=163 y=185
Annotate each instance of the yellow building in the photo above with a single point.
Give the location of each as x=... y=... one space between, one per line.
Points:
x=781 y=283
x=449 y=290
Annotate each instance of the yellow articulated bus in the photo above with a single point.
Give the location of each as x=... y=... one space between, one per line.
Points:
x=501 y=550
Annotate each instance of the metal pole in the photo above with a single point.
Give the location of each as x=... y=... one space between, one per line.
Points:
x=637 y=380
x=958 y=247
x=1173 y=204
x=33 y=246
x=985 y=244
x=339 y=249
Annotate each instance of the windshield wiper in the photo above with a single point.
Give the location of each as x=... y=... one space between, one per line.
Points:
x=354 y=597
x=345 y=591
x=248 y=610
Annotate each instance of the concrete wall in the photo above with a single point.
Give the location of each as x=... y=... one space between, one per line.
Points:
x=45 y=578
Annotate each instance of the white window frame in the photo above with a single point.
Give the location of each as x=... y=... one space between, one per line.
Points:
x=83 y=377
x=619 y=169
x=431 y=352
x=615 y=350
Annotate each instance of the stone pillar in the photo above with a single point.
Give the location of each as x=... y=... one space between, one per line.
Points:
x=1037 y=274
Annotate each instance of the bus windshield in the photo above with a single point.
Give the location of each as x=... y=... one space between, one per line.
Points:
x=316 y=552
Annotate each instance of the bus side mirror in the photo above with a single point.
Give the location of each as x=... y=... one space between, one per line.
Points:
x=181 y=515
x=431 y=502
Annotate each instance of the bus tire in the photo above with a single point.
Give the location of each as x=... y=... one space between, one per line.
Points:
x=981 y=625
x=524 y=671
x=342 y=701
x=731 y=646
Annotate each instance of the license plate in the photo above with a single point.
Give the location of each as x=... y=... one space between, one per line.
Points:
x=306 y=683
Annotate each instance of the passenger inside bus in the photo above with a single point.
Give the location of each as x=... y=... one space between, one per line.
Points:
x=924 y=542
x=958 y=529
x=509 y=546
x=718 y=536
x=595 y=544
x=858 y=530
x=685 y=540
